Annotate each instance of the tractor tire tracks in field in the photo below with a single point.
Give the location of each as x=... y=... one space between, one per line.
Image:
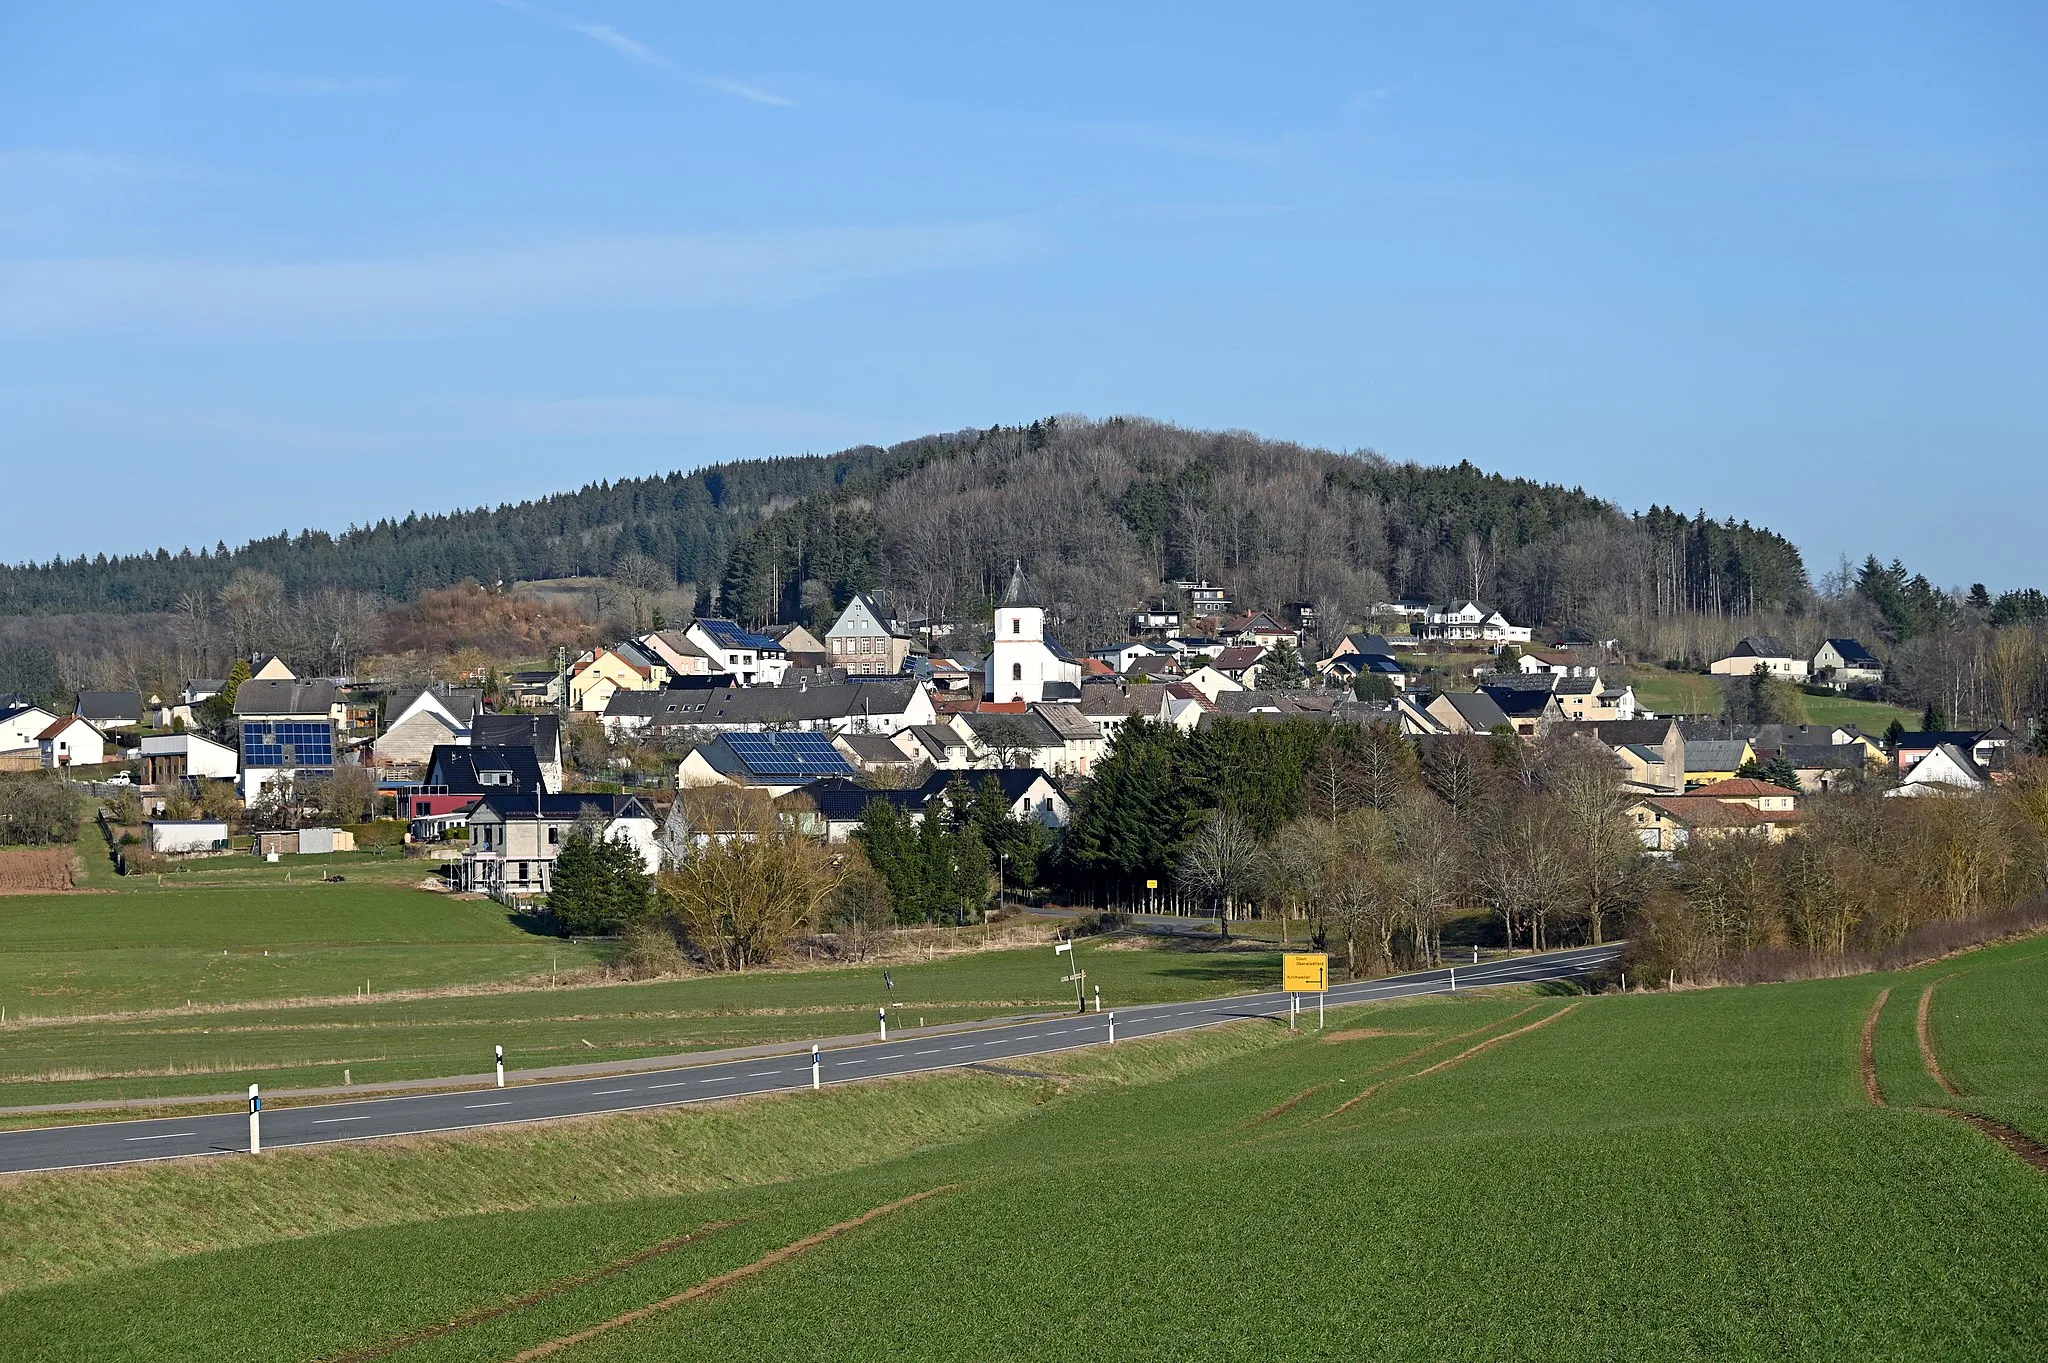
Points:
x=1870 y=1084
x=712 y=1286
x=1927 y=1056
x=526 y=1299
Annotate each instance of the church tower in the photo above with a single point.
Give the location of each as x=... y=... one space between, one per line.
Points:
x=1018 y=664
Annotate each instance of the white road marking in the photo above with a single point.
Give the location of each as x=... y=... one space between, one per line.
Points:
x=676 y=1085
x=329 y=1121
x=959 y=1048
x=167 y=1136
x=893 y=1055
x=933 y=1051
x=763 y=1074
x=716 y=1079
x=606 y=1093
x=506 y=1103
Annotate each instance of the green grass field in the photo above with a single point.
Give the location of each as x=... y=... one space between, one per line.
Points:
x=1690 y=693
x=1690 y=1175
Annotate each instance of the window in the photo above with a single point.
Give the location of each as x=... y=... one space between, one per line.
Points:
x=1016 y=672
x=522 y=871
x=1016 y=624
x=554 y=837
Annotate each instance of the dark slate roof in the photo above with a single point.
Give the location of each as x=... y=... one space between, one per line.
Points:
x=1520 y=702
x=284 y=697
x=1827 y=756
x=564 y=806
x=542 y=733
x=459 y=766
x=875 y=749
x=1370 y=644
x=844 y=801
x=1479 y=710
x=1014 y=781
x=999 y=730
x=1020 y=592
x=1923 y=739
x=1617 y=733
x=1855 y=654
x=1759 y=646
x=461 y=701
x=101 y=706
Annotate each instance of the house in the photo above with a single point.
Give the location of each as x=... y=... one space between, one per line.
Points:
x=1763 y=796
x=71 y=742
x=778 y=762
x=1987 y=748
x=1470 y=621
x=1947 y=770
x=881 y=706
x=800 y=646
x=602 y=673
x=1846 y=663
x=867 y=639
x=22 y=725
x=1013 y=735
x=942 y=745
x=1467 y=712
x=110 y=710
x=418 y=719
x=1023 y=664
x=1411 y=608
x=197 y=690
x=1303 y=615
x=1202 y=598
x=874 y=753
x=171 y=836
x=536 y=686
x=271 y=668
x=1126 y=657
x=542 y=733
x=1825 y=766
x=1157 y=667
x=1715 y=759
x=750 y=659
x=674 y=649
x=1259 y=630
x=1760 y=650
x=514 y=839
x=1213 y=683
x=1652 y=751
x=1666 y=823
x=1529 y=710
x=834 y=807
x=1156 y=616
x=1241 y=663
x=483 y=769
x=287 y=727
x=170 y=758
x=1560 y=662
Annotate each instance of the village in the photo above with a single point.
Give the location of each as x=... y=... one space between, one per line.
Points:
x=489 y=777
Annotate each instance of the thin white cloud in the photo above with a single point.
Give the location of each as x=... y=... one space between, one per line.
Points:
x=150 y=295
x=634 y=50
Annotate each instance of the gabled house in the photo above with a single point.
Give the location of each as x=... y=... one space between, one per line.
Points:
x=418 y=719
x=1529 y=710
x=1472 y=622
x=1259 y=630
x=287 y=728
x=1987 y=748
x=1846 y=663
x=867 y=639
x=1826 y=766
x=1241 y=663
x=1947 y=770
x=1467 y=712
x=1763 y=796
x=1715 y=759
x=1760 y=650
x=1651 y=751
x=942 y=745
x=675 y=651
x=168 y=759
x=602 y=673
x=71 y=742
x=749 y=658
x=800 y=646
x=1666 y=823
x=271 y=668
x=882 y=706
x=777 y=762
x=22 y=725
x=542 y=733
x=874 y=754
x=514 y=839
x=110 y=710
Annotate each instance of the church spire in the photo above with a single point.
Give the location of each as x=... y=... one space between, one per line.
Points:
x=1020 y=593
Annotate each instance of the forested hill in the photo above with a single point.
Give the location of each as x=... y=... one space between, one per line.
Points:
x=1103 y=512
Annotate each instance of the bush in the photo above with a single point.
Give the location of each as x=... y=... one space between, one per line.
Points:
x=36 y=810
x=379 y=833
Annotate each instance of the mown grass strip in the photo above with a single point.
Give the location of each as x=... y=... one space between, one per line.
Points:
x=1927 y=1056
x=711 y=1286
x=1869 y=1053
x=539 y=1294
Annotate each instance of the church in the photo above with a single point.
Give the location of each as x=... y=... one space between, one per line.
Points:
x=1024 y=664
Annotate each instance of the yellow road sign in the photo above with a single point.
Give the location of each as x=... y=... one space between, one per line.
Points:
x=1305 y=972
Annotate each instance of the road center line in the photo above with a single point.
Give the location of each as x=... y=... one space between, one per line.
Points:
x=167 y=1136
x=676 y=1085
x=472 y=1106
x=606 y=1093
x=329 y=1121
x=763 y=1074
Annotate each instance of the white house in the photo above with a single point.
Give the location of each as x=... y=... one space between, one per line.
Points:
x=1947 y=770
x=71 y=742
x=514 y=839
x=748 y=658
x=1760 y=650
x=1844 y=663
x=169 y=758
x=22 y=726
x=1468 y=620
x=1023 y=664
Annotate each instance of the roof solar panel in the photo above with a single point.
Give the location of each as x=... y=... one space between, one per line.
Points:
x=789 y=754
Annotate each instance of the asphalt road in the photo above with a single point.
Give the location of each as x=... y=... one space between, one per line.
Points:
x=71 y=1147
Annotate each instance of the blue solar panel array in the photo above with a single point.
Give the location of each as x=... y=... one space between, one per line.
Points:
x=791 y=754
x=287 y=743
x=728 y=635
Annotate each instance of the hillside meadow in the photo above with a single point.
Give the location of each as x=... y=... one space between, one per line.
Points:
x=1527 y=1174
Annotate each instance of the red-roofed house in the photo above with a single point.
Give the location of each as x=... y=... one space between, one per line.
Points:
x=72 y=742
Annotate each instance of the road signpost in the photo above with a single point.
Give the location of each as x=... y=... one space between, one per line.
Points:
x=255 y=1121
x=1078 y=975
x=1305 y=972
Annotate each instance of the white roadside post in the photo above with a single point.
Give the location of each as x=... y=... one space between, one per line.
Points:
x=1293 y=1007
x=1112 y=1027
x=1098 y=998
x=501 y=1064
x=882 y=1017
x=1454 y=979
x=255 y=1121
x=1475 y=955
x=814 y=1064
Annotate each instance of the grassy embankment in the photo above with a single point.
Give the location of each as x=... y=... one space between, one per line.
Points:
x=1699 y=1174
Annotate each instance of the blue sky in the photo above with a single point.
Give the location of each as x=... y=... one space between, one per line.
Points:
x=266 y=266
